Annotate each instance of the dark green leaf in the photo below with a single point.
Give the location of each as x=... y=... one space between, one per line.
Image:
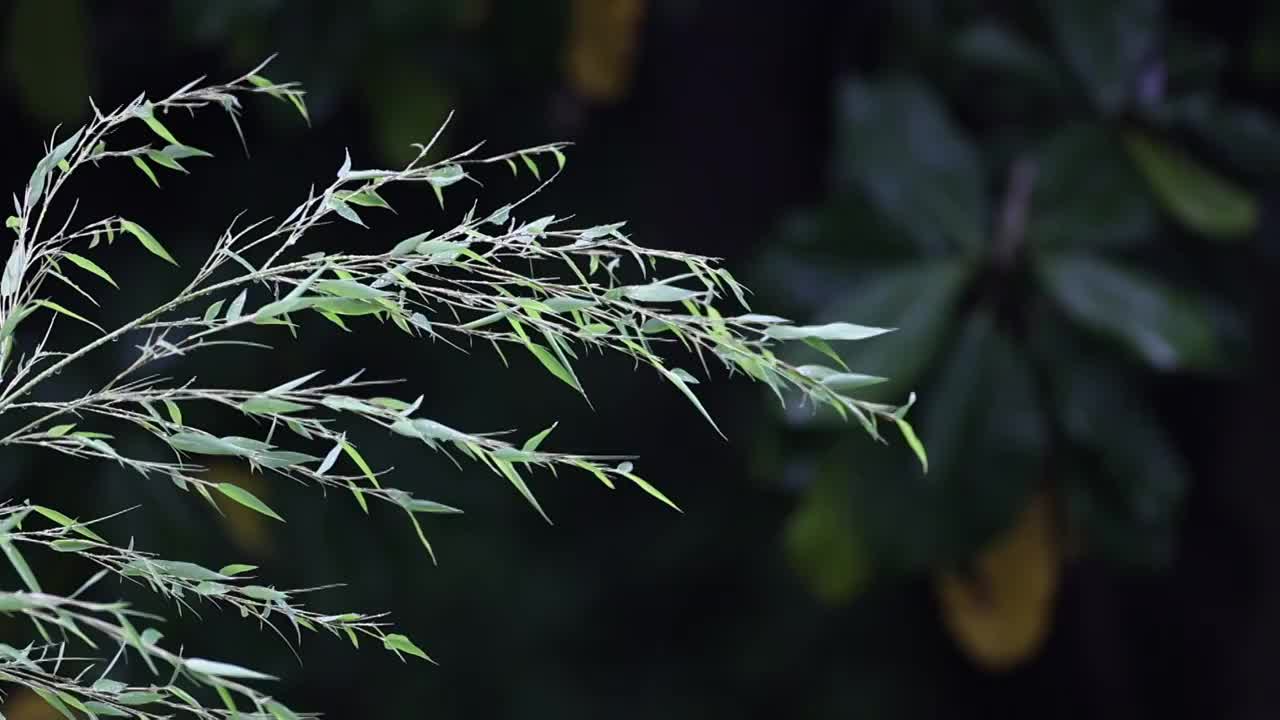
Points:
x=1107 y=43
x=1088 y=194
x=897 y=145
x=991 y=46
x=1166 y=329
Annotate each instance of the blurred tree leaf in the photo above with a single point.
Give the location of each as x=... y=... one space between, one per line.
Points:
x=822 y=538
x=991 y=46
x=1002 y=612
x=897 y=145
x=986 y=435
x=1107 y=43
x=1196 y=197
x=1248 y=138
x=1125 y=487
x=981 y=411
x=47 y=58
x=1166 y=329
x=1088 y=194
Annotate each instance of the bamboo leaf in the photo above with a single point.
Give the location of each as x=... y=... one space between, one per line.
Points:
x=86 y=264
x=247 y=499
x=148 y=240
x=400 y=643
x=64 y=311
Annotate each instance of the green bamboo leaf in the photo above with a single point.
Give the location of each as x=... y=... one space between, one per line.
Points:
x=202 y=443
x=148 y=241
x=13 y=270
x=366 y=198
x=170 y=568
x=358 y=459
x=531 y=445
x=280 y=712
x=46 y=165
x=653 y=491
x=684 y=388
x=67 y=522
x=85 y=263
x=175 y=413
x=509 y=471
x=64 y=311
x=329 y=460
x=20 y=564
x=248 y=499
x=237 y=306
x=146 y=169
x=829 y=331
x=659 y=293
x=68 y=546
x=164 y=160
x=138 y=697
x=344 y=211
x=399 y=643
x=179 y=152
x=429 y=506
x=54 y=702
x=533 y=166
x=147 y=113
x=909 y=434
x=221 y=669
x=350 y=289
x=264 y=405
x=283 y=458
x=445 y=175
x=553 y=365
x=212 y=311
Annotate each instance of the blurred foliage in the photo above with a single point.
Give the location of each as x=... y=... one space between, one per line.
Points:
x=1035 y=200
x=631 y=614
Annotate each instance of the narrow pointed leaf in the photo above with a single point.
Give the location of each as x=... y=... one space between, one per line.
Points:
x=248 y=499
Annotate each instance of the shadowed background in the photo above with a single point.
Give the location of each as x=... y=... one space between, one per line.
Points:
x=1066 y=208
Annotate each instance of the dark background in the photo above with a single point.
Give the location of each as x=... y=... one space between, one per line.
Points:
x=812 y=574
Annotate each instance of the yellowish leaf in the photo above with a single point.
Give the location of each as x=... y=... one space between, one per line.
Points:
x=1002 y=613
